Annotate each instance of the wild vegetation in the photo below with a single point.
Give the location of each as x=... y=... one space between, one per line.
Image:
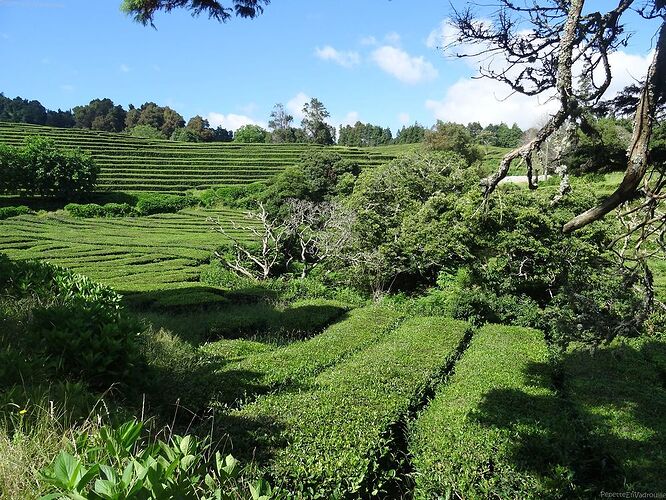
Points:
x=282 y=317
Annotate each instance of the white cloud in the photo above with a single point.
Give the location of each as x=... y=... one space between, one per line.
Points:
x=230 y=121
x=487 y=101
x=404 y=119
x=249 y=108
x=627 y=69
x=67 y=87
x=392 y=38
x=295 y=105
x=406 y=68
x=347 y=59
x=124 y=68
x=368 y=40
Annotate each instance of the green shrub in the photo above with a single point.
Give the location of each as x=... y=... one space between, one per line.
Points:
x=85 y=211
x=7 y=212
x=94 y=210
x=86 y=341
x=163 y=203
x=241 y=196
x=42 y=168
x=76 y=326
x=113 y=462
x=497 y=428
x=327 y=439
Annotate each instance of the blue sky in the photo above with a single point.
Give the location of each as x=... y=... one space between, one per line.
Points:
x=372 y=60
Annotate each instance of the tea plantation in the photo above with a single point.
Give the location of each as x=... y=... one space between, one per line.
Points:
x=135 y=164
x=135 y=364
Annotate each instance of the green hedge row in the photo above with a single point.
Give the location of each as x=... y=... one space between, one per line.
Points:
x=7 y=212
x=497 y=429
x=299 y=361
x=328 y=439
x=620 y=394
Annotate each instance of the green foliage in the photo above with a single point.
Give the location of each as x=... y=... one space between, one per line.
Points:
x=453 y=137
x=94 y=210
x=7 y=212
x=150 y=118
x=602 y=148
x=146 y=131
x=251 y=134
x=115 y=463
x=76 y=327
x=163 y=203
x=242 y=196
x=410 y=135
x=364 y=134
x=402 y=205
x=318 y=176
x=316 y=129
x=497 y=428
x=41 y=168
x=135 y=164
x=320 y=442
x=100 y=114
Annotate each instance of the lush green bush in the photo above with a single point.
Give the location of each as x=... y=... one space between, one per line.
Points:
x=95 y=210
x=7 y=212
x=42 y=168
x=453 y=137
x=114 y=462
x=497 y=428
x=75 y=328
x=241 y=196
x=163 y=203
x=328 y=439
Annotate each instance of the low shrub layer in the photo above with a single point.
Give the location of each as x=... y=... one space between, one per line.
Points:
x=7 y=212
x=299 y=361
x=497 y=429
x=95 y=210
x=163 y=203
x=328 y=439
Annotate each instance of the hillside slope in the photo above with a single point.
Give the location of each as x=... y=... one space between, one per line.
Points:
x=136 y=164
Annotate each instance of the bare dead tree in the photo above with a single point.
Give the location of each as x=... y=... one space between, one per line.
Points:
x=541 y=60
x=248 y=260
x=322 y=230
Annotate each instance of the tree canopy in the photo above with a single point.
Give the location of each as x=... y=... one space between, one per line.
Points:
x=144 y=11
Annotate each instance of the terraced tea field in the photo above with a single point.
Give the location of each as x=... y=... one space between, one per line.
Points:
x=130 y=254
x=135 y=164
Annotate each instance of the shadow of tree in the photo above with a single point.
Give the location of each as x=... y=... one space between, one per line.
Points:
x=603 y=430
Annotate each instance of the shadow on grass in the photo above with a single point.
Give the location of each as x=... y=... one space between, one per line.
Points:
x=50 y=203
x=604 y=430
x=260 y=321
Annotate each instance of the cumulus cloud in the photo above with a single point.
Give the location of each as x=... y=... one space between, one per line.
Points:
x=489 y=101
x=347 y=59
x=296 y=103
x=406 y=68
x=230 y=121
x=404 y=118
x=486 y=101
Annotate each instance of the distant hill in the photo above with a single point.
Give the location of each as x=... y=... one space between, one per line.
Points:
x=136 y=164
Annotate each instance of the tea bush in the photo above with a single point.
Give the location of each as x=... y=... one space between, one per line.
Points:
x=7 y=212
x=163 y=203
x=94 y=210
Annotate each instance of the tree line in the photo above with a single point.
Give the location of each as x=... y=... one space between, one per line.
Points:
x=153 y=121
